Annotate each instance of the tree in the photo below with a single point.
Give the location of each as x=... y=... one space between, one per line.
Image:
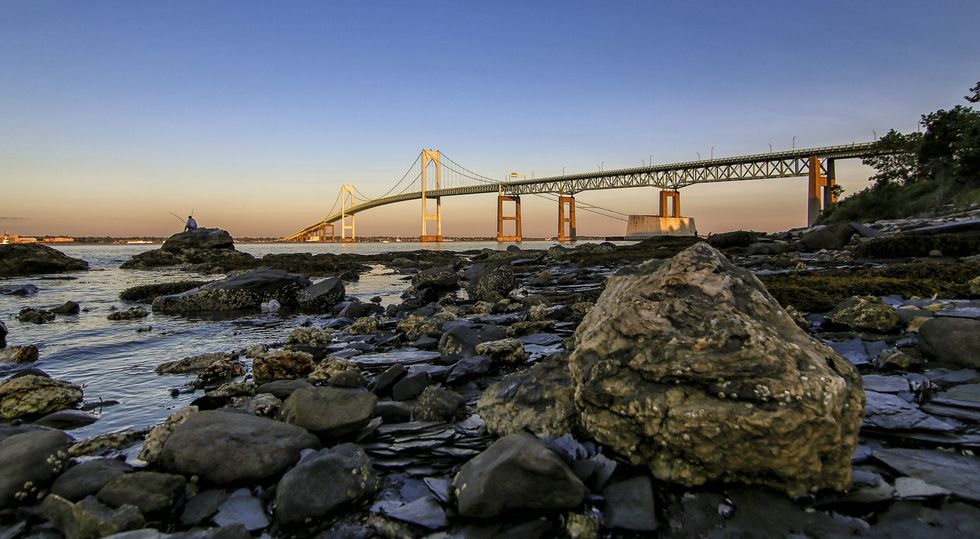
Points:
x=898 y=162
x=974 y=96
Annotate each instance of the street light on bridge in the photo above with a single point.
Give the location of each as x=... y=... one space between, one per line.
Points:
x=794 y=142
x=712 y=152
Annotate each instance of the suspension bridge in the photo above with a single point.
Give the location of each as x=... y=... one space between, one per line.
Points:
x=434 y=175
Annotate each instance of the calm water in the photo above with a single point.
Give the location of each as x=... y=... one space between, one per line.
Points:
x=112 y=361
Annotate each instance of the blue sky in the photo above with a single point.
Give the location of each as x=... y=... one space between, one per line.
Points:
x=254 y=113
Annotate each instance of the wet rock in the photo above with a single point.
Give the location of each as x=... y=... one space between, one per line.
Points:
x=831 y=237
x=218 y=372
x=330 y=412
x=415 y=327
x=151 y=492
x=910 y=245
x=35 y=316
x=681 y=363
x=951 y=340
x=200 y=238
x=89 y=519
x=737 y=238
x=18 y=354
x=517 y=472
x=22 y=290
x=313 y=337
x=322 y=296
x=147 y=292
x=885 y=384
x=540 y=400
x=3 y=335
x=153 y=444
x=386 y=379
x=246 y=291
x=436 y=404
x=915 y=520
x=87 y=478
x=67 y=419
x=410 y=386
x=33 y=395
x=67 y=309
x=505 y=350
x=227 y=448
x=954 y=472
x=393 y=412
x=490 y=283
x=133 y=313
x=895 y=359
x=192 y=364
x=630 y=505
x=20 y=260
x=243 y=509
x=29 y=461
x=350 y=378
x=530 y=327
x=438 y=280
x=864 y=313
x=283 y=365
x=324 y=482
x=265 y=405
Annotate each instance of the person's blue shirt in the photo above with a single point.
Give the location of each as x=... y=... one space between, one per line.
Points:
x=191 y=224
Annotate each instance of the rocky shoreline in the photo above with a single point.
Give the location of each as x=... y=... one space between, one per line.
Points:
x=818 y=383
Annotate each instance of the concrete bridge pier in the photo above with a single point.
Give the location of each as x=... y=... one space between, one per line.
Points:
x=347 y=202
x=431 y=157
x=516 y=218
x=566 y=217
x=820 y=188
x=670 y=203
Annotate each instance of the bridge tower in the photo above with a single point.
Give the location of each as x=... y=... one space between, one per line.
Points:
x=516 y=199
x=566 y=217
x=820 y=188
x=435 y=157
x=670 y=203
x=346 y=202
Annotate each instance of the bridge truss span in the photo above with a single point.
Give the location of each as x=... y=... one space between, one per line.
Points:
x=456 y=180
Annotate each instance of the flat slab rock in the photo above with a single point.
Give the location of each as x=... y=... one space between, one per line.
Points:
x=891 y=412
x=960 y=474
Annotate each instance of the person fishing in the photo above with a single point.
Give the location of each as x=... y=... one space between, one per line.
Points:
x=191 y=224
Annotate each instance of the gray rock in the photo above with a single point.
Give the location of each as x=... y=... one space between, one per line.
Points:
x=243 y=509
x=35 y=316
x=3 y=335
x=457 y=342
x=682 y=363
x=517 y=472
x=152 y=492
x=436 y=404
x=89 y=519
x=630 y=505
x=425 y=512
x=34 y=395
x=504 y=350
x=281 y=365
x=831 y=237
x=19 y=260
x=322 y=296
x=68 y=308
x=67 y=419
x=540 y=400
x=951 y=471
x=410 y=386
x=440 y=279
x=864 y=313
x=885 y=384
x=330 y=412
x=735 y=238
x=387 y=378
x=865 y=231
x=909 y=520
x=29 y=461
x=192 y=364
x=87 y=478
x=324 y=482
x=951 y=340
x=490 y=283
x=891 y=412
x=228 y=448
x=469 y=367
x=200 y=238
x=246 y=291
x=282 y=389
x=393 y=412
x=22 y=290
x=202 y=506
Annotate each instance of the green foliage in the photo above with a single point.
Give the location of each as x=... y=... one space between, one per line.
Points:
x=918 y=173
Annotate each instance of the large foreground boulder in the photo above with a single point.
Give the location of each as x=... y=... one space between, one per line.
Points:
x=32 y=259
x=517 y=472
x=690 y=367
x=229 y=448
x=200 y=238
x=246 y=291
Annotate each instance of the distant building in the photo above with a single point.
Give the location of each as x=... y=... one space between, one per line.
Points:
x=14 y=238
x=58 y=239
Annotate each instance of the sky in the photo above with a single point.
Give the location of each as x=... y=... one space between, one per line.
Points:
x=113 y=114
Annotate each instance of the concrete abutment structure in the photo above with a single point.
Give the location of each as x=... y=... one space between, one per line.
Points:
x=820 y=192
